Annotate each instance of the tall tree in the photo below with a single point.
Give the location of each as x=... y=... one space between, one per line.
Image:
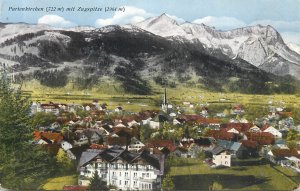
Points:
x=65 y=163
x=97 y=183
x=22 y=165
x=168 y=184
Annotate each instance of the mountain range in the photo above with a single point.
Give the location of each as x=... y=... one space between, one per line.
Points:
x=251 y=59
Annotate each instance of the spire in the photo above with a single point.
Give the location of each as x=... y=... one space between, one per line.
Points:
x=164 y=105
x=165 y=98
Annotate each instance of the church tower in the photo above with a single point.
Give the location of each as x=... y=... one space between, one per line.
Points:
x=164 y=105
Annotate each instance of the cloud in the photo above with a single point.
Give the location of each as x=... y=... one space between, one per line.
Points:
x=224 y=23
x=56 y=21
x=131 y=15
x=291 y=37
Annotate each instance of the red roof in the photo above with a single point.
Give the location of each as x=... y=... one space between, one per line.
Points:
x=97 y=146
x=75 y=187
x=207 y=121
x=191 y=117
x=116 y=141
x=285 y=153
x=238 y=107
x=162 y=143
x=262 y=138
x=240 y=127
x=285 y=113
x=54 y=137
x=217 y=134
x=249 y=144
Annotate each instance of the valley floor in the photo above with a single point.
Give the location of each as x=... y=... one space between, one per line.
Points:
x=248 y=175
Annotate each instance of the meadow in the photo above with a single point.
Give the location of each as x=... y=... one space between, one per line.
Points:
x=260 y=175
x=111 y=93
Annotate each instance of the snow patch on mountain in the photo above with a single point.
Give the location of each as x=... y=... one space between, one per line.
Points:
x=255 y=44
x=294 y=47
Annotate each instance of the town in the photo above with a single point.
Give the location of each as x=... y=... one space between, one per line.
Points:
x=127 y=150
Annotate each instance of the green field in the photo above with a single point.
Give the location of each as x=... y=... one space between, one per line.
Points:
x=195 y=175
x=111 y=93
x=58 y=183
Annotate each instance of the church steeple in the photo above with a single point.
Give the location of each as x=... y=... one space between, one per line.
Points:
x=164 y=106
x=165 y=98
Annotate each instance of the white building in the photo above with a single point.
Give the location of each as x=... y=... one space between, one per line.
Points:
x=222 y=159
x=66 y=145
x=123 y=169
x=135 y=145
x=273 y=131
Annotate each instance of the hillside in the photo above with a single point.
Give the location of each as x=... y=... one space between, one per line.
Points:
x=134 y=57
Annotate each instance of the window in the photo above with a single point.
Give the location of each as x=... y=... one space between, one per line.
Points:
x=150 y=186
x=135 y=174
x=126 y=174
x=120 y=174
x=120 y=182
x=114 y=174
x=126 y=183
x=134 y=183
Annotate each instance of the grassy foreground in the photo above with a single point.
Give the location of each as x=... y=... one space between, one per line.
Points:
x=58 y=183
x=195 y=175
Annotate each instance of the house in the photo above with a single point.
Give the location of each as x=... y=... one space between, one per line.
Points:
x=132 y=123
x=80 y=138
x=116 y=141
x=237 y=109
x=222 y=135
x=146 y=121
x=294 y=163
x=118 y=109
x=236 y=149
x=209 y=122
x=251 y=148
x=65 y=145
x=273 y=131
x=47 y=137
x=221 y=157
x=254 y=129
x=262 y=138
x=238 y=128
x=123 y=169
x=93 y=135
x=280 y=156
x=165 y=146
x=50 y=108
x=135 y=145
x=181 y=152
x=158 y=120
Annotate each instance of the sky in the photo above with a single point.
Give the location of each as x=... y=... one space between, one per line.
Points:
x=283 y=15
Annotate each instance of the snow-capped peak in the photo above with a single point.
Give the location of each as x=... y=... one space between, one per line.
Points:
x=162 y=25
